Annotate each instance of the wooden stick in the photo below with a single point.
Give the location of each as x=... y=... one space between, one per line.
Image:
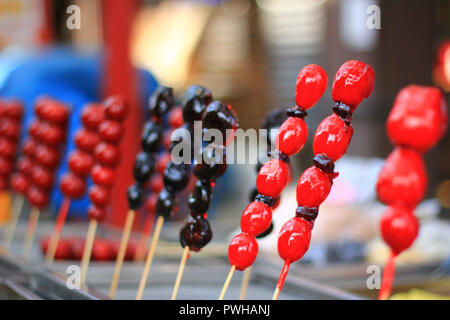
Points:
x=122 y=250
x=281 y=279
x=245 y=281
x=87 y=251
x=59 y=225
x=31 y=231
x=227 y=282
x=151 y=253
x=180 y=272
x=17 y=206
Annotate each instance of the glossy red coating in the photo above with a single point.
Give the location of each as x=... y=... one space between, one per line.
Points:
x=86 y=140
x=25 y=165
x=332 y=137
x=92 y=115
x=99 y=195
x=7 y=147
x=163 y=160
x=80 y=162
x=96 y=213
x=418 y=118
x=4 y=183
x=156 y=183
x=399 y=228
x=272 y=178
x=242 y=251
x=42 y=177
x=51 y=110
x=51 y=134
x=291 y=136
x=72 y=186
x=107 y=154
x=116 y=107
x=47 y=156
x=28 y=147
x=312 y=81
x=37 y=197
x=19 y=183
x=403 y=178
x=103 y=176
x=353 y=82
x=102 y=250
x=176 y=118
x=10 y=128
x=110 y=131
x=293 y=239
x=313 y=187
x=256 y=218
x=6 y=166
x=13 y=109
x=35 y=129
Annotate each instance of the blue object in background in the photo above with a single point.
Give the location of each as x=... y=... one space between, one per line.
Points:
x=71 y=78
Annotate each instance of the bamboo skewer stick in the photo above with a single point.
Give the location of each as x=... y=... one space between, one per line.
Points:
x=30 y=232
x=121 y=254
x=87 y=251
x=17 y=206
x=245 y=281
x=59 y=225
x=149 y=259
x=180 y=272
x=227 y=282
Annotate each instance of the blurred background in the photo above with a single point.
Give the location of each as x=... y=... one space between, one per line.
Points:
x=248 y=53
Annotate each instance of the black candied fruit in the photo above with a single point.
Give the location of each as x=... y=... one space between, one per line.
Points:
x=221 y=116
x=196 y=233
x=176 y=176
x=166 y=203
x=143 y=167
x=212 y=165
x=195 y=100
x=266 y=232
x=135 y=196
x=200 y=198
x=161 y=101
x=151 y=137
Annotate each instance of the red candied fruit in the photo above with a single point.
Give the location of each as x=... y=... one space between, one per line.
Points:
x=86 y=140
x=37 y=197
x=110 y=131
x=72 y=185
x=242 y=251
x=107 y=154
x=51 y=134
x=156 y=183
x=51 y=110
x=352 y=83
x=272 y=178
x=80 y=162
x=9 y=128
x=99 y=196
x=399 y=228
x=256 y=218
x=29 y=147
x=116 y=107
x=4 y=183
x=150 y=203
x=6 y=166
x=96 y=213
x=176 y=118
x=47 y=156
x=13 y=109
x=312 y=81
x=92 y=115
x=293 y=239
x=103 y=176
x=418 y=118
x=291 y=136
x=332 y=137
x=19 y=183
x=7 y=147
x=313 y=187
x=25 y=165
x=42 y=177
x=402 y=179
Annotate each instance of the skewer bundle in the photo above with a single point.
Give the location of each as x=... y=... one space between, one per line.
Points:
x=160 y=104
x=352 y=83
x=274 y=174
x=49 y=135
x=210 y=166
x=417 y=121
x=107 y=157
x=81 y=160
x=176 y=175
